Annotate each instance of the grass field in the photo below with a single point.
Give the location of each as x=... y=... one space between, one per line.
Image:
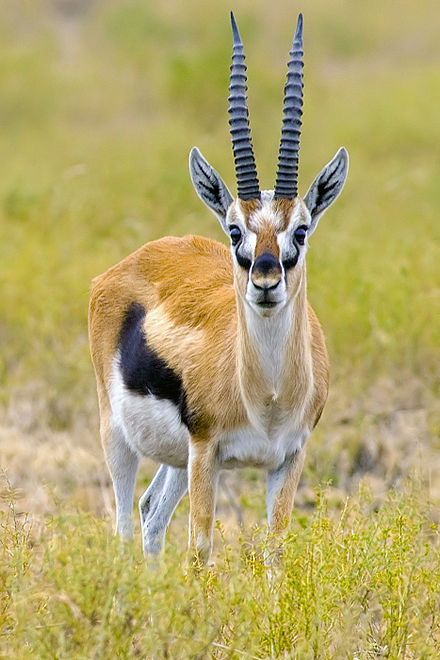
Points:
x=100 y=105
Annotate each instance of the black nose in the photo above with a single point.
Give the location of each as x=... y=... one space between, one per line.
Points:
x=266 y=263
x=266 y=271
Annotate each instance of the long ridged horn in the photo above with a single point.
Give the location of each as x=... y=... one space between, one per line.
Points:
x=245 y=169
x=286 y=186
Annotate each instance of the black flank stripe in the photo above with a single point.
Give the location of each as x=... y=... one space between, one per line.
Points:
x=143 y=371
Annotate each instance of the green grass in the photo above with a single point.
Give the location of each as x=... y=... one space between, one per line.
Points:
x=355 y=583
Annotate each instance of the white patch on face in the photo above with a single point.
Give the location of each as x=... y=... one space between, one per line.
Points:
x=266 y=215
x=249 y=238
x=286 y=241
x=248 y=245
x=152 y=426
x=267 y=196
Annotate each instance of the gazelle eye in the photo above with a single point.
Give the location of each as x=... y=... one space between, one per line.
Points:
x=300 y=235
x=235 y=234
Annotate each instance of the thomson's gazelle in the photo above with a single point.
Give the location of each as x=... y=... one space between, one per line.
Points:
x=208 y=357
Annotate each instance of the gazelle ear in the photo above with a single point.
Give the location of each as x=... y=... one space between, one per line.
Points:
x=326 y=187
x=209 y=186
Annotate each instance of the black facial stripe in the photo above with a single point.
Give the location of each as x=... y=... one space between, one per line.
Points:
x=143 y=371
x=243 y=261
x=291 y=262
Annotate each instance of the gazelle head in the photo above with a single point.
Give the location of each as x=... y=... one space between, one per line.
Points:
x=269 y=230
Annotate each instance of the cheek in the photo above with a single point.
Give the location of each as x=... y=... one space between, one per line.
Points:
x=241 y=278
x=293 y=279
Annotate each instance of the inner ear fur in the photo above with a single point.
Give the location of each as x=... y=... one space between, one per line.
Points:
x=327 y=186
x=209 y=186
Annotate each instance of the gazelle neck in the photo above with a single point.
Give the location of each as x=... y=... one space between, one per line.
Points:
x=273 y=352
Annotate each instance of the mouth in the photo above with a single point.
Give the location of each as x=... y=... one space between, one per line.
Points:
x=265 y=301
x=267 y=304
x=267 y=307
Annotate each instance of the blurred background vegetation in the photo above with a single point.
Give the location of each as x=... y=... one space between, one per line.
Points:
x=100 y=104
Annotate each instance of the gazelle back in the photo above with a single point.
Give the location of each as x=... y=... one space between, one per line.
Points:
x=208 y=357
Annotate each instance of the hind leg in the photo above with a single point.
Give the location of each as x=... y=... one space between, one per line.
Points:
x=150 y=499
x=158 y=503
x=122 y=464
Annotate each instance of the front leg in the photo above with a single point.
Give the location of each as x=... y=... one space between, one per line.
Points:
x=203 y=473
x=281 y=488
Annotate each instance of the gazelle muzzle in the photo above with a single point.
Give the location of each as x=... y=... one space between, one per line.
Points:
x=266 y=272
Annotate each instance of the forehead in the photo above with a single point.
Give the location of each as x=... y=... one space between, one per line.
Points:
x=273 y=215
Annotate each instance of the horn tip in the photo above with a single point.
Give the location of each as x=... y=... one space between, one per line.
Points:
x=235 y=31
x=299 y=25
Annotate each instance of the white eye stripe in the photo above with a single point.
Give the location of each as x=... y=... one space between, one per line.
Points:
x=250 y=244
x=290 y=249
x=247 y=244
